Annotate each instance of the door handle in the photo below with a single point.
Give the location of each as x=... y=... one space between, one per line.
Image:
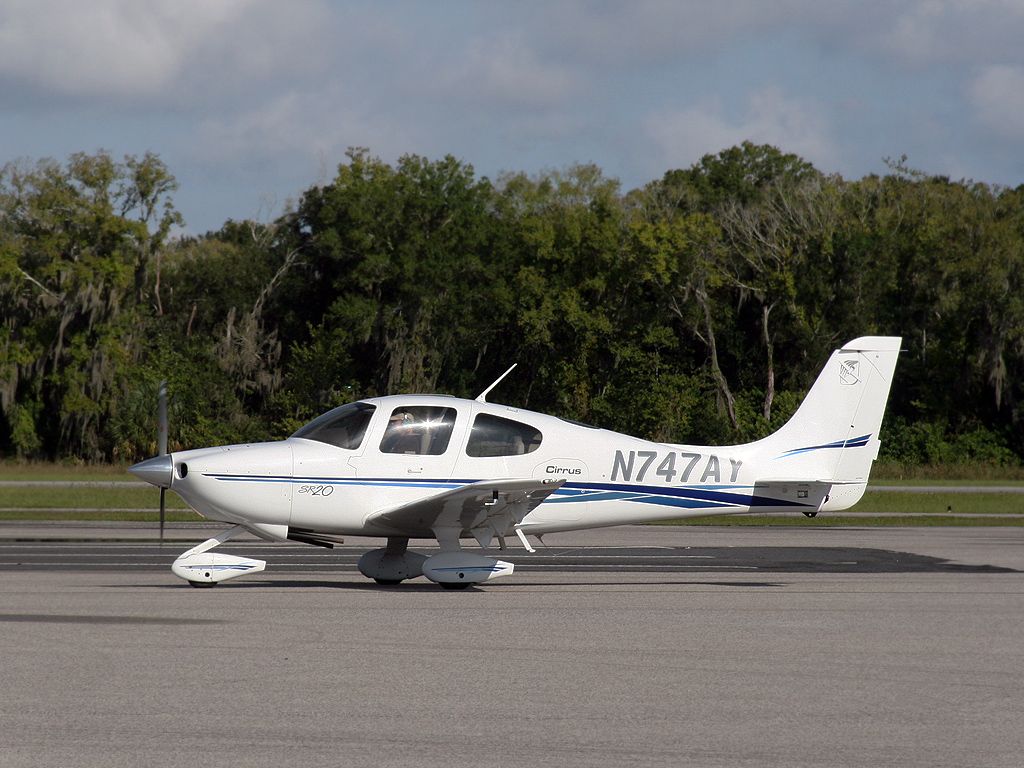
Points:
x=415 y=470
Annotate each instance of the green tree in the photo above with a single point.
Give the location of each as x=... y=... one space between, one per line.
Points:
x=399 y=268
x=79 y=244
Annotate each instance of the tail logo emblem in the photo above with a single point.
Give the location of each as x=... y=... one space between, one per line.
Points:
x=849 y=372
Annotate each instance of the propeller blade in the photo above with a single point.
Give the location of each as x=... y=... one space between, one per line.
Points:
x=162 y=444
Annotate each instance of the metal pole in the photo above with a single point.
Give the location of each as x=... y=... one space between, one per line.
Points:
x=162 y=416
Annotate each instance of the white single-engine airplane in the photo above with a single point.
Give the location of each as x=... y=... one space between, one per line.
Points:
x=436 y=467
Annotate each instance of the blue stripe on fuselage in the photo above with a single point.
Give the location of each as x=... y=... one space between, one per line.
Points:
x=695 y=497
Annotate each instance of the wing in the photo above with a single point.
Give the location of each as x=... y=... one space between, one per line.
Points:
x=485 y=509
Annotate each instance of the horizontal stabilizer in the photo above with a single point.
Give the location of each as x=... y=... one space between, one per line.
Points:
x=815 y=495
x=795 y=493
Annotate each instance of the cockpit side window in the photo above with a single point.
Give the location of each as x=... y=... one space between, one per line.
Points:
x=419 y=429
x=495 y=436
x=343 y=427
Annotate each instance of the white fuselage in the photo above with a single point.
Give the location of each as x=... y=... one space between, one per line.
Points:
x=610 y=478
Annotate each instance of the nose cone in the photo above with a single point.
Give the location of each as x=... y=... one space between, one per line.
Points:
x=156 y=471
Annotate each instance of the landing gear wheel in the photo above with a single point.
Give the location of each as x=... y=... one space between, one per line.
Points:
x=456 y=584
x=388 y=582
x=811 y=514
x=203 y=584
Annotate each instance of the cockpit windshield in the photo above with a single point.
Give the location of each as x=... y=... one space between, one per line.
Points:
x=344 y=427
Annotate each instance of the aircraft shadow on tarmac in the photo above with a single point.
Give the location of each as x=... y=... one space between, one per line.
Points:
x=422 y=585
x=854 y=560
x=427 y=586
x=698 y=561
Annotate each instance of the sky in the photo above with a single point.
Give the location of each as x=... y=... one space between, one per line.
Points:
x=251 y=102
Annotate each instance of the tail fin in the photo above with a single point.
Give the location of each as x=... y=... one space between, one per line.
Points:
x=833 y=436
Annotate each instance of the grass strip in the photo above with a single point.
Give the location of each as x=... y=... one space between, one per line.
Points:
x=11 y=470
x=100 y=515
x=900 y=502
x=100 y=498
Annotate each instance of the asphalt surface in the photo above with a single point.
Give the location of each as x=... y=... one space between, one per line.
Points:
x=644 y=646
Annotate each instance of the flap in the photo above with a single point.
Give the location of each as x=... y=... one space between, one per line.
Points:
x=466 y=507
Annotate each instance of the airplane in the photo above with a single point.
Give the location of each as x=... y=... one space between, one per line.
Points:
x=438 y=467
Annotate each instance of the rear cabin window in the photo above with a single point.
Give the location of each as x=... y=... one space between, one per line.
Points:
x=495 y=436
x=419 y=429
x=343 y=427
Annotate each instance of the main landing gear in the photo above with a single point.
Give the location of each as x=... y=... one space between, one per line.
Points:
x=451 y=568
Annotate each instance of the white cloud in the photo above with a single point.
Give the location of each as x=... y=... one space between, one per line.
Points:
x=909 y=33
x=683 y=136
x=646 y=30
x=998 y=96
x=915 y=34
x=308 y=129
x=506 y=70
x=106 y=46
x=173 y=51
x=927 y=32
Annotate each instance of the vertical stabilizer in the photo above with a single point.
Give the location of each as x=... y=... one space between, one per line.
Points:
x=833 y=436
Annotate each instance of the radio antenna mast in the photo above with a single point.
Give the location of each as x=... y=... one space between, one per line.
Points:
x=482 y=397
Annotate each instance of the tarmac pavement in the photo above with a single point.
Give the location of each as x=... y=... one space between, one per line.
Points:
x=796 y=658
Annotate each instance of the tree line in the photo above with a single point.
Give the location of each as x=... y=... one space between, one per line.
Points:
x=697 y=308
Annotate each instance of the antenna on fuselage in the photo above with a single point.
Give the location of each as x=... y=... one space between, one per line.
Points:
x=482 y=397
